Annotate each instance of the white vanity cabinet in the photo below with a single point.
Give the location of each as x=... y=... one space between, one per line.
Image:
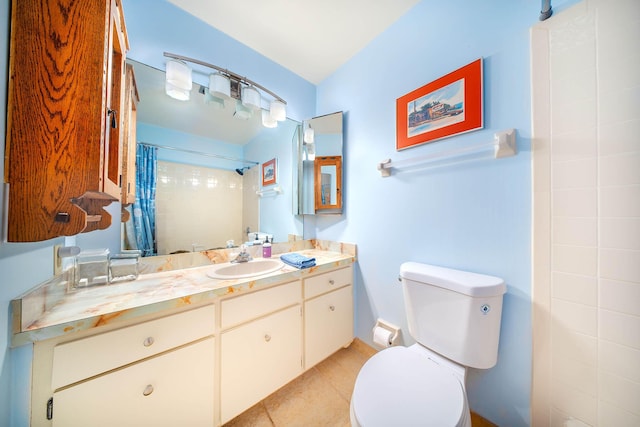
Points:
x=260 y=344
x=328 y=314
x=200 y=366
x=159 y=372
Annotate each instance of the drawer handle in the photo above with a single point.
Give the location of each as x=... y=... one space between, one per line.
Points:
x=267 y=337
x=147 y=390
x=148 y=342
x=332 y=282
x=332 y=307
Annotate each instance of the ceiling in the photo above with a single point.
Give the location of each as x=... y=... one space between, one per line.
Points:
x=311 y=38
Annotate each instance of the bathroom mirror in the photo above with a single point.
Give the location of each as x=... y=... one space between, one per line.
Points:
x=209 y=167
x=327 y=183
x=320 y=165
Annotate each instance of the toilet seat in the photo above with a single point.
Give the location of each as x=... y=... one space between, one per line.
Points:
x=398 y=386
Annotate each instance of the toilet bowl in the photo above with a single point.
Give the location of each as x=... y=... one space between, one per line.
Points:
x=454 y=317
x=403 y=386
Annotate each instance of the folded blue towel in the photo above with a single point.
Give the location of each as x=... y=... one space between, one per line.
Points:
x=297 y=260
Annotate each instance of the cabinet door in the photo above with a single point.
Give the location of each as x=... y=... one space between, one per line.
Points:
x=257 y=358
x=328 y=324
x=131 y=100
x=173 y=389
x=115 y=103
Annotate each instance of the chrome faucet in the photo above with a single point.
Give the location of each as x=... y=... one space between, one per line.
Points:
x=243 y=256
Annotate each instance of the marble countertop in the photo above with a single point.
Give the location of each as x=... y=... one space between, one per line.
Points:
x=151 y=293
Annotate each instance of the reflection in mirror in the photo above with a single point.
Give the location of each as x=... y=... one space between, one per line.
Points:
x=328 y=176
x=320 y=165
x=208 y=169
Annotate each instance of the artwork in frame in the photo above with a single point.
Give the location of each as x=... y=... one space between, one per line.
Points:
x=445 y=107
x=269 y=172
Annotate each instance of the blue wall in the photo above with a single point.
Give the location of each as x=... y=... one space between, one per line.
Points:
x=473 y=216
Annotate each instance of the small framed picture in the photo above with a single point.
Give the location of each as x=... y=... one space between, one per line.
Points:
x=269 y=172
x=447 y=106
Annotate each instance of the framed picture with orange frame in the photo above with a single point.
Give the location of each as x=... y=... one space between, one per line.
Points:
x=448 y=106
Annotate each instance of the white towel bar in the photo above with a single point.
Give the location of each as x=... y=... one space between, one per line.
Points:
x=503 y=144
x=274 y=190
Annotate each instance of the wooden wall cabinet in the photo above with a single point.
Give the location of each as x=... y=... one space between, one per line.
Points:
x=64 y=145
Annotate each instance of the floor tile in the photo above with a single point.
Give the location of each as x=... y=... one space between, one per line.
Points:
x=320 y=397
x=255 y=416
x=309 y=400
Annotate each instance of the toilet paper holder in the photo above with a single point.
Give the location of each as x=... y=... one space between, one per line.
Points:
x=385 y=334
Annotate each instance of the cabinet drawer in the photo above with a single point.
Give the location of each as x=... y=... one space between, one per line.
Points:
x=246 y=307
x=173 y=389
x=327 y=282
x=328 y=324
x=86 y=357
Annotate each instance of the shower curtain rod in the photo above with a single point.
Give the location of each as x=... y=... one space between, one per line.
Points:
x=201 y=153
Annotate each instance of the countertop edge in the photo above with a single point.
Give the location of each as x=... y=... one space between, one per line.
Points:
x=161 y=308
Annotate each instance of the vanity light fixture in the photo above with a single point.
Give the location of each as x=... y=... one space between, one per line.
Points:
x=242 y=112
x=309 y=135
x=178 y=81
x=213 y=100
x=278 y=111
x=267 y=120
x=219 y=85
x=223 y=84
x=250 y=97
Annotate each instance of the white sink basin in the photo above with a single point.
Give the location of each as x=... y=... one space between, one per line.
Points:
x=241 y=270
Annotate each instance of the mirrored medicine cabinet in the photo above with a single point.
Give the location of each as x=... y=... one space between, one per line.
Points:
x=320 y=165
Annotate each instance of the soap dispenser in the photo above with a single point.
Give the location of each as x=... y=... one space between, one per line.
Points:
x=266 y=248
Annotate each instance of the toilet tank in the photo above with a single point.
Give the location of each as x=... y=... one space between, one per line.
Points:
x=454 y=313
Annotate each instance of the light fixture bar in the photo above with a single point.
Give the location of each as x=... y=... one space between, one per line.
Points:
x=225 y=71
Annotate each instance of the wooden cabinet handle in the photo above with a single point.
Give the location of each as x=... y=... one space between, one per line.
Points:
x=147 y=390
x=267 y=337
x=148 y=342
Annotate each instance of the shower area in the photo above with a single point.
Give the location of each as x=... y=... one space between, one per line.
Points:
x=200 y=208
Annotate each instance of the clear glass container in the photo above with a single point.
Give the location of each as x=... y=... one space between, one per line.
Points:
x=124 y=266
x=92 y=268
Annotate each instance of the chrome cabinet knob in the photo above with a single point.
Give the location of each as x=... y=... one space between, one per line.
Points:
x=332 y=307
x=332 y=282
x=148 y=342
x=147 y=390
x=267 y=337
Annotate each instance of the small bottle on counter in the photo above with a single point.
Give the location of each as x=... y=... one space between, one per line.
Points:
x=266 y=248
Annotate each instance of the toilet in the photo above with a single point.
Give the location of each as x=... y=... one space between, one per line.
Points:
x=454 y=317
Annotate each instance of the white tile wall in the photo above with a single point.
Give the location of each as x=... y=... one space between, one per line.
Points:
x=201 y=208
x=592 y=64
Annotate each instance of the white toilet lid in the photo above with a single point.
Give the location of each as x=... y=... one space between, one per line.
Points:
x=399 y=387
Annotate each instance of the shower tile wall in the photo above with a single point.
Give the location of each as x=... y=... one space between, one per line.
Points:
x=197 y=208
x=587 y=215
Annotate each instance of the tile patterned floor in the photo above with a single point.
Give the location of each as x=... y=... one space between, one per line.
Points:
x=319 y=397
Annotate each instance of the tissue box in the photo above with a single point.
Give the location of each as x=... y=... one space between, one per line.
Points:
x=92 y=268
x=124 y=266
